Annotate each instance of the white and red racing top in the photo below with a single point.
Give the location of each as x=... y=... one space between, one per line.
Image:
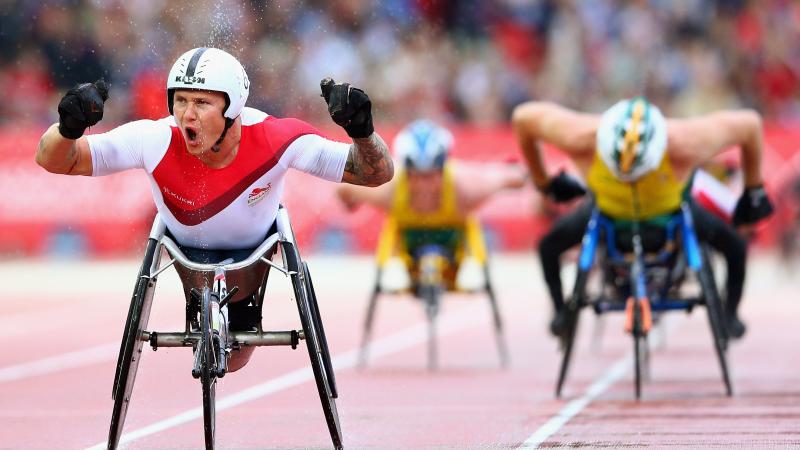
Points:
x=228 y=208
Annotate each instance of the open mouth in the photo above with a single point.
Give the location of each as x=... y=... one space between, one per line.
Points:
x=191 y=135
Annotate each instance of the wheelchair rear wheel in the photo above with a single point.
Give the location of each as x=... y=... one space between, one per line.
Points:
x=368 y=320
x=314 y=342
x=131 y=347
x=715 y=318
x=502 y=347
x=326 y=354
x=573 y=308
x=208 y=348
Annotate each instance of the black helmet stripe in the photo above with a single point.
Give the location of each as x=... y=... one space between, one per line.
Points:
x=193 y=62
x=190 y=73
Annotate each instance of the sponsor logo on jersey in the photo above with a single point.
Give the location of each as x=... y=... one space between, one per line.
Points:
x=177 y=196
x=257 y=194
x=190 y=80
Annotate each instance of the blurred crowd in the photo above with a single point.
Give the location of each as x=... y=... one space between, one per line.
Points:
x=455 y=61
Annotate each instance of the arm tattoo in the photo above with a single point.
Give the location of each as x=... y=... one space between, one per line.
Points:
x=73 y=153
x=368 y=162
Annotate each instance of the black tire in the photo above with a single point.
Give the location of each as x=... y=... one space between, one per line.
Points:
x=429 y=290
x=715 y=319
x=573 y=308
x=313 y=344
x=431 y=296
x=369 y=319
x=502 y=347
x=326 y=354
x=645 y=348
x=638 y=350
x=131 y=346
x=637 y=367
x=713 y=301
x=208 y=347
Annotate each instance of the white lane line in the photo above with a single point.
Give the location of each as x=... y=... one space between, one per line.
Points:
x=574 y=407
x=64 y=361
x=609 y=377
x=394 y=343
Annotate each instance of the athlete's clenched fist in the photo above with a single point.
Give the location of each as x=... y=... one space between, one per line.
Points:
x=81 y=107
x=349 y=107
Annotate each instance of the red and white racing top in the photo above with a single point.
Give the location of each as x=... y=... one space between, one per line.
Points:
x=228 y=208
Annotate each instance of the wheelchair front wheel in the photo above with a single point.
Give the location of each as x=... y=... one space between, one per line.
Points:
x=640 y=362
x=208 y=348
x=640 y=350
x=431 y=297
x=637 y=366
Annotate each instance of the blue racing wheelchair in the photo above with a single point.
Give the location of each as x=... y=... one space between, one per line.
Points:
x=207 y=329
x=643 y=269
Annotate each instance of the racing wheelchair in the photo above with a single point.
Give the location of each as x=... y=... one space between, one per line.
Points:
x=643 y=273
x=433 y=269
x=207 y=332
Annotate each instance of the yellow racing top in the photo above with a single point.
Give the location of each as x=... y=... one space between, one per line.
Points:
x=447 y=225
x=659 y=191
x=446 y=216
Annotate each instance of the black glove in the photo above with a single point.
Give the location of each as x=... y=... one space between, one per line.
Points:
x=563 y=188
x=349 y=107
x=752 y=206
x=81 y=107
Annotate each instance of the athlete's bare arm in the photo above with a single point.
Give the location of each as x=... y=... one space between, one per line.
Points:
x=570 y=131
x=476 y=184
x=58 y=154
x=695 y=140
x=368 y=163
x=352 y=196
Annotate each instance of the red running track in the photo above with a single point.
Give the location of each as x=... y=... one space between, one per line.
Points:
x=60 y=325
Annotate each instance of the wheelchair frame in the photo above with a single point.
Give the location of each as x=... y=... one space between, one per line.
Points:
x=431 y=293
x=643 y=298
x=135 y=333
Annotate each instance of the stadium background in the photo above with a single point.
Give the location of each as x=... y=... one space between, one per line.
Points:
x=70 y=246
x=465 y=64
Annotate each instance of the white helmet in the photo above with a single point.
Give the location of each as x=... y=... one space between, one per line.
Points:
x=423 y=146
x=632 y=138
x=210 y=69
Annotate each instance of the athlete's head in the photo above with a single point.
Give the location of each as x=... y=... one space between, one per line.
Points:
x=632 y=138
x=423 y=146
x=206 y=91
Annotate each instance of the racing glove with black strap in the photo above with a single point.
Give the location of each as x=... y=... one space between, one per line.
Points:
x=563 y=188
x=81 y=107
x=752 y=206
x=349 y=107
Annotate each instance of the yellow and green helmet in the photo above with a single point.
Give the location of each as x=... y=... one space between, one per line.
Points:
x=632 y=138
